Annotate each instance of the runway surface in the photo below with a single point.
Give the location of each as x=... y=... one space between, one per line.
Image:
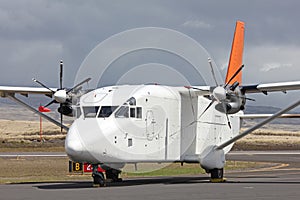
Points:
x=280 y=181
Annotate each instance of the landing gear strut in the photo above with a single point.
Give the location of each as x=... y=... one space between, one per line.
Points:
x=216 y=175
x=110 y=174
x=99 y=178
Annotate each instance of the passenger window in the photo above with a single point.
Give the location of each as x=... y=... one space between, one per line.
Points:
x=123 y=112
x=90 y=111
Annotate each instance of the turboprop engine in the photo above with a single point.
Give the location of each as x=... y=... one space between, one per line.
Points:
x=230 y=100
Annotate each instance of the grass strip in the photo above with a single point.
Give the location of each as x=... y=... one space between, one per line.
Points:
x=32 y=169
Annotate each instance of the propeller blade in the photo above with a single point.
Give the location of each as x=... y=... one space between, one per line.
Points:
x=225 y=110
x=247 y=98
x=61 y=119
x=250 y=99
x=209 y=105
x=79 y=84
x=61 y=75
x=212 y=71
x=51 y=102
x=40 y=83
x=234 y=75
x=190 y=87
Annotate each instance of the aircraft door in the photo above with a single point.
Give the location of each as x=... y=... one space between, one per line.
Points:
x=150 y=125
x=155 y=122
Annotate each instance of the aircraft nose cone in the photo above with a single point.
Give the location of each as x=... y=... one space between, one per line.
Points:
x=73 y=144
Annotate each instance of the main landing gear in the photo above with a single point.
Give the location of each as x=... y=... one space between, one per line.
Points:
x=216 y=175
x=99 y=179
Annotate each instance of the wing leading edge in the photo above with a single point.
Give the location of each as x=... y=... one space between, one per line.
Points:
x=4 y=90
x=271 y=87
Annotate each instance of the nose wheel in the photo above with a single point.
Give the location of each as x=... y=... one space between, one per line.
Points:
x=113 y=174
x=98 y=177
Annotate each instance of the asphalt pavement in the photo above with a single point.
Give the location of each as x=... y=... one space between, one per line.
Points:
x=280 y=181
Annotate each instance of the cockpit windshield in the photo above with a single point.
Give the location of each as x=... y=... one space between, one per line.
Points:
x=127 y=110
x=90 y=111
x=106 y=111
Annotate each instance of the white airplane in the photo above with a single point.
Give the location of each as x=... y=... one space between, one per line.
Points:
x=123 y=124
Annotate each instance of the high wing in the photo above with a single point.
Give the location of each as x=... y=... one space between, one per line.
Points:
x=271 y=87
x=260 y=116
x=11 y=90
x=264 y=88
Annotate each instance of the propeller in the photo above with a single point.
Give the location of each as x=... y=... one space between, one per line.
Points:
x=62 y=96
x=233 y=76
x=224 y=95
x=43 y=85
x=212 y=71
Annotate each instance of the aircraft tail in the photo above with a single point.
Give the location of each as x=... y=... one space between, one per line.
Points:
x=236 y=55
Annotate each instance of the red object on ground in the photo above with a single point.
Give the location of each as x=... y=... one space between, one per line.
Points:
x=89 y=168
x=44 y=109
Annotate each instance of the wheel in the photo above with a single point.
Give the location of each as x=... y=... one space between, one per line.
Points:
x=99 y=179
x=216 y=173
x=216 y=176
x=113 y=174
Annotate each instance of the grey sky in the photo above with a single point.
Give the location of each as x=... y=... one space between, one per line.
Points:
x=35 y=35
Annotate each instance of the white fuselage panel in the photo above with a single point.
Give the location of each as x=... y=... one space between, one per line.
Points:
x=145 y=123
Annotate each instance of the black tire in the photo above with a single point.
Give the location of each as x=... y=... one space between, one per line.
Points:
x=99 y=179
x=113 y=174
x=216 y=174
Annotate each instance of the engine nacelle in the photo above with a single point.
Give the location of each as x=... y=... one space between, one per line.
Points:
x=234 y=102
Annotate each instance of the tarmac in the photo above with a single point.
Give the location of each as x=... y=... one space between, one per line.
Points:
x=280 y=181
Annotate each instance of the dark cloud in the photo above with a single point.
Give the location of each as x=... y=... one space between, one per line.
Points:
x=35 y=35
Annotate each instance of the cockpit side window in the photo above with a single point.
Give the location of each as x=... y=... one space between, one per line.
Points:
x=106 y=111
x=131 y=101
x=78 y=112
x=139 y=112
x=90 y=111
x=129 y=109
x=123 y=112
x=132 y=112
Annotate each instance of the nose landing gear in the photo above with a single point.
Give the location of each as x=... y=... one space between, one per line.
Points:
x=100 y=180
x=98 y=177
x=113 y=174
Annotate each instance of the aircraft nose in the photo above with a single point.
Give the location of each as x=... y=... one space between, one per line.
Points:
x=73 y=144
